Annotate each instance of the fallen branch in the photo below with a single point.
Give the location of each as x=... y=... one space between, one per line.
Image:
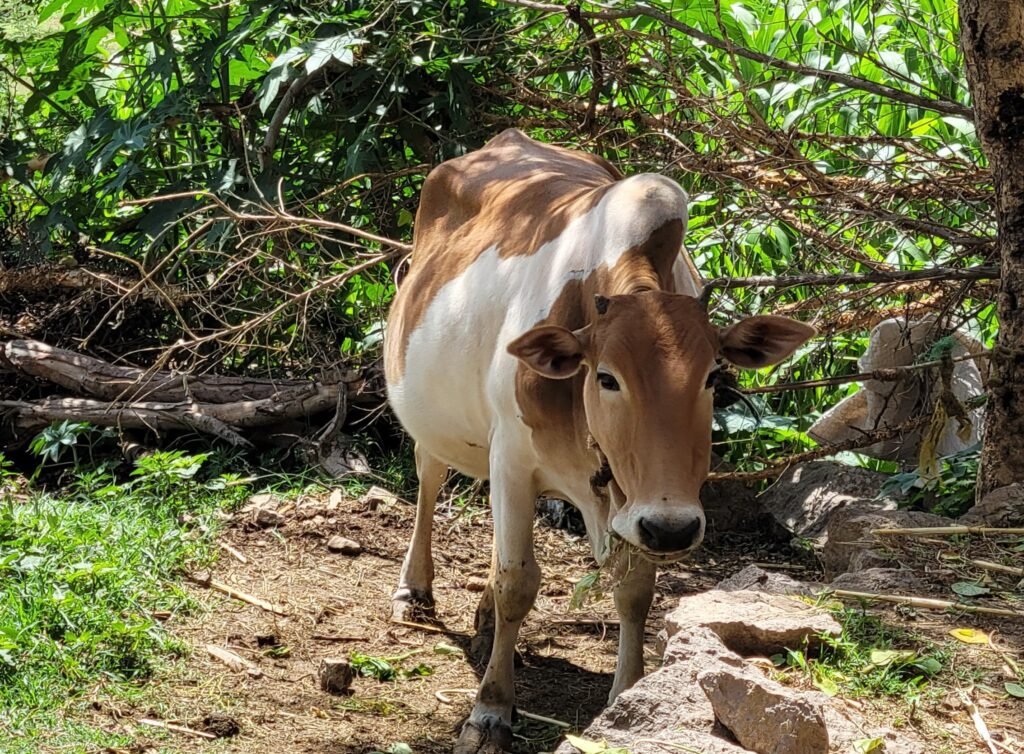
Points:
x=926 y=603
x=946 y=531
x=234 y=552
x=238 y=594
x=102 y=380
x=988 y=565
x=234 y=661
x=176 y=728
x=979 y=723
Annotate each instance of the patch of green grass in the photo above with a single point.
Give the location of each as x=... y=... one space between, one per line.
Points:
x=387 y=668
x=868 y=658
x=83 y=571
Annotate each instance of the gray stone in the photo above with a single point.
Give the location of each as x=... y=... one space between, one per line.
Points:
x=267 y=518
x=344 y=546
x=764 y=716
x=751 y=623
x=335 y=675
x=850 y=546
x=755 y=579
x=1001 y=507
x=804 y=499
x=668 y=706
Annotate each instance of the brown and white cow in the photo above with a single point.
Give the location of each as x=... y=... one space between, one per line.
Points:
x=550 y=326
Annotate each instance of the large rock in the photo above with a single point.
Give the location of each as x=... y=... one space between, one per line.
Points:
x=882 y=404
x=764 y=716
x=706 y=696
x=730 y=506
x=751 y=623
x=805 y=498
x=668 y=705
x=1001 y=507
x=881 y=580
x=850 y=545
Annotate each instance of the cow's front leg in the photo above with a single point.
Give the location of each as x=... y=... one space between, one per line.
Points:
x=415 y=595
x=634 y=592
x=516 y=578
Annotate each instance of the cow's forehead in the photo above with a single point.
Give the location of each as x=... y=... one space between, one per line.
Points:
x=671 y=323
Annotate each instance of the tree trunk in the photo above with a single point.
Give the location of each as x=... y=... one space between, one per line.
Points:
x=992 y=36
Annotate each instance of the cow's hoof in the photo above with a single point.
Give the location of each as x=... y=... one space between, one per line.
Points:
x=489 y=735
x=412 y=606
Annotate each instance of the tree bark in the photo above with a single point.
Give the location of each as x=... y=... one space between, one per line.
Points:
x=992 y=36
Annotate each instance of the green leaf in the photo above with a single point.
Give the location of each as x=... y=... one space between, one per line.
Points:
x=587 y=746
x=583 y=589
x=1014 y=689
x=883 y=657
x=868 y=745
x=969 y=589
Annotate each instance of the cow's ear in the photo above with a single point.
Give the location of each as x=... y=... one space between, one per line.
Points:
x=549 y=350
x=757 y=342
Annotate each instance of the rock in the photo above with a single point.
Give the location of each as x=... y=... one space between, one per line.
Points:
x=344 y=545
x=335 y=675
x=1001 y=507
x=666 y=710
x=674 y=707
x=751 y=623
x=335 y=499
x=764 y=716
x=476 y=584
x=850 y=546
x=754 y=579
x=877 y=580
x=804 y=499
x=378 y=497
x=267 y=518
x=263 y=500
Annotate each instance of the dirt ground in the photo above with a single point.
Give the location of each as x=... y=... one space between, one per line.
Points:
x=337 y=604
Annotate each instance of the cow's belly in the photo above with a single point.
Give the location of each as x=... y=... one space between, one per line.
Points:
x=441 y=399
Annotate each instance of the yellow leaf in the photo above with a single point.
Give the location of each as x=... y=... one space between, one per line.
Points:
x=586 y=746
x=969 y=635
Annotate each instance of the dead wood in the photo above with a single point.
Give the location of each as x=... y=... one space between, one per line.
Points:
x=85 y=375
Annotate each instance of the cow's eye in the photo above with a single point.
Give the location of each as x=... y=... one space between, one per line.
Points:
x=712 y=379
x=607 y=382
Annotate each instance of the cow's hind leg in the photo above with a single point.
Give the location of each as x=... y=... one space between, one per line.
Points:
x=515 y=580
x=415 y=597
x=634 y=592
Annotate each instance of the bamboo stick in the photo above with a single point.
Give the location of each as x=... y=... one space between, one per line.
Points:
x=176 y=728
x=950 y=531
x=927 y=603
x=238 y=594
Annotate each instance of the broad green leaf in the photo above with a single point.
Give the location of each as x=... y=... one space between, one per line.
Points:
x=1014 y=689
x=969 y=589
x=883 y=657
x=868 y=745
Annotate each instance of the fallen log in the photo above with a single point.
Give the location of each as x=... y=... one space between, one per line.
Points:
x=86 y=375
x=220 y=419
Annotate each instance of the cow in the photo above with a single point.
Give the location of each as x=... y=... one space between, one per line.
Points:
x=549 y=337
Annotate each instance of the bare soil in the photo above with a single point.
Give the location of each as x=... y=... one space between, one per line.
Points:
x=337 y=605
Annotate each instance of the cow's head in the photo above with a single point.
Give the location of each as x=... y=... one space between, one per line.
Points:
x=651 y=362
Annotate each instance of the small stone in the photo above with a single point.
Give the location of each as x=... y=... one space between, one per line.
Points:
x=268 y=518
x=201 y=577
x=755 y=579
x=335 y=675
x=378 y=497
x=334 y=501
x=476 y=584
x=764 y=716
x=344 y=545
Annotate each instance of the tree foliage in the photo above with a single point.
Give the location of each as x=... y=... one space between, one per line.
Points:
x=813 y=136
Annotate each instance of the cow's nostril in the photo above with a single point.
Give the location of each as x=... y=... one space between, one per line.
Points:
x=671 y=535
